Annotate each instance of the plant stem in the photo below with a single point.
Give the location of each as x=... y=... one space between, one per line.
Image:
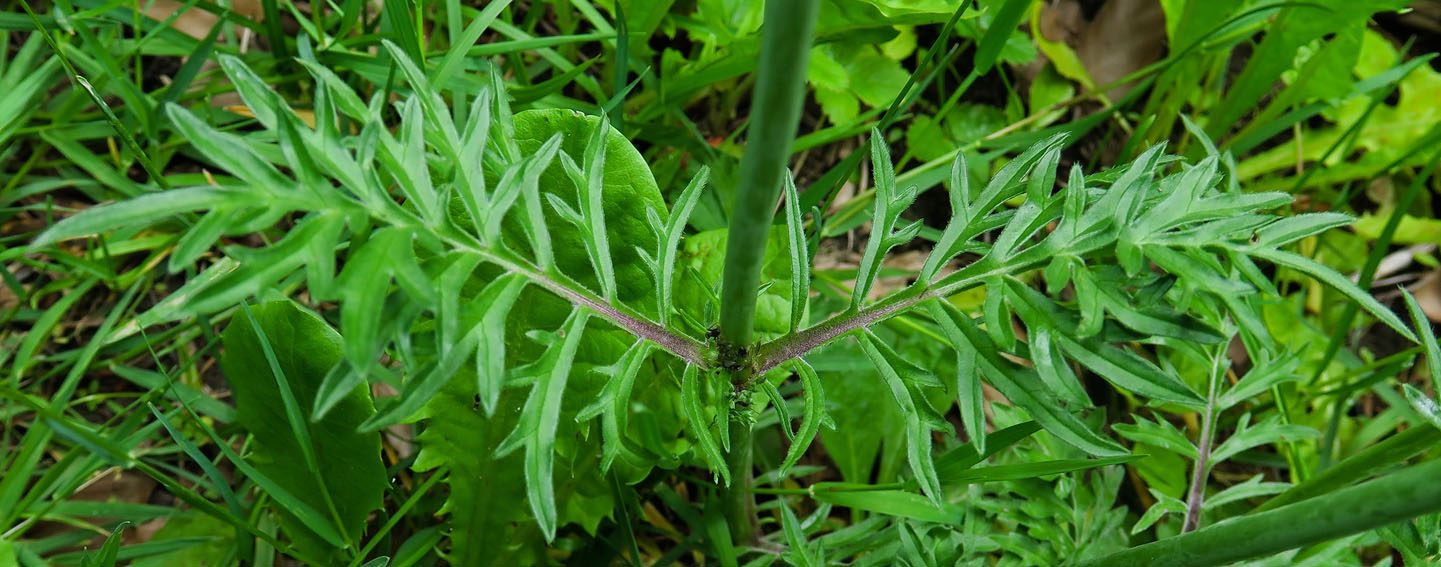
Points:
x=775 y=112
x=1400 y=496
x=739 y=502
x=1195 y=500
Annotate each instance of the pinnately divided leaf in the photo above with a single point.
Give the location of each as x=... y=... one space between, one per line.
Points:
x=918 y=436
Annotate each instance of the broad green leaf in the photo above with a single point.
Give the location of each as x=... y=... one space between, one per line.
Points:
x=350 y=469
x=627 y=189
x=1002 y=26
x=489 y=526
x=705 y=253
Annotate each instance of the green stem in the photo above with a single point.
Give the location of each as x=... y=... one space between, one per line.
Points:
x=739 y=499
x=775 y=111
x=1384 y=501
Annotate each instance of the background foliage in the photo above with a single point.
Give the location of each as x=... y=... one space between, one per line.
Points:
x=367 y=282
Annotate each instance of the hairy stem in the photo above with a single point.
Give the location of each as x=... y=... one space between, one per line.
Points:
x=739 y=503
x=775 y=112
x=1195 y=499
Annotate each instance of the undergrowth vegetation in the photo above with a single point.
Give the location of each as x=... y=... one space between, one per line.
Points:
x=812 y=282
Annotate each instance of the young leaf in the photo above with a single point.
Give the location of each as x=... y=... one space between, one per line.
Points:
x=889 y=205
x=810 y=422
x=670 y=240
x=614 y=401
x=800 y=257
x=699 y=425
x=960 y=196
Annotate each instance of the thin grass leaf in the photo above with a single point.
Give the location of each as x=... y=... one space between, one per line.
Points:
x=799 y=554
x=1335 y=281
x=109 y=551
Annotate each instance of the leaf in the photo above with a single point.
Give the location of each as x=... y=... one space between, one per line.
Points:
x=488 y=524
x=1336 y=281
x=892 y=503
x=1004 y=24
x=143 y=210
x=800 y=256
x=229 y=151
x=617 y=395
x=1266 y=432
x=1128 y=370
x=670 y=240
x=1159 y=433
x=497 y=298
x=364 y=285
x=815 y=407
x=1262 y=377
x=918 y=437
x=349 y=465
x=627 y=190
x=1290 y=229
x=1022 y=386
x=800 y=552
x=540 y=449
x=1033 y=470
x=700 y=426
